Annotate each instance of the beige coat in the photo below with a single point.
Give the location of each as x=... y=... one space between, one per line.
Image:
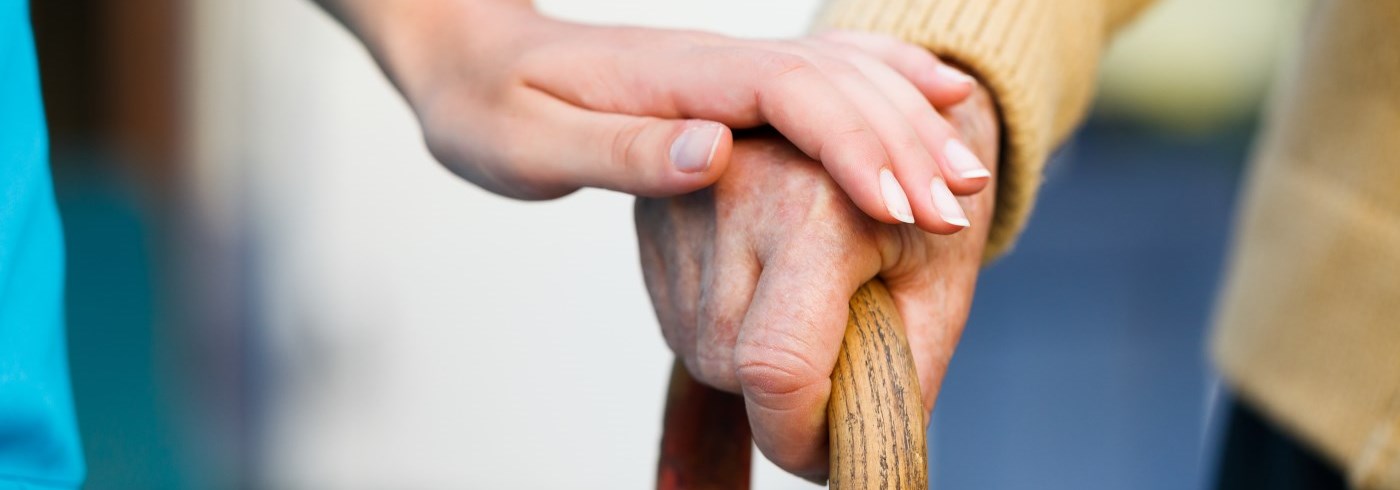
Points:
x=1309 y=325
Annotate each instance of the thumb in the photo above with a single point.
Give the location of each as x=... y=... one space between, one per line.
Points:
x=643 y=156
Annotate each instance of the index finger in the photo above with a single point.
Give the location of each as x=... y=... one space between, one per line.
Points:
x=942 y=84
x=787 y=348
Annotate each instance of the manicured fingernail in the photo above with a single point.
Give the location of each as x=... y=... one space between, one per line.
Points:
x=967 y=165
x=947 y=205
x=695 y=147
x=953 y=74
x=895 y=199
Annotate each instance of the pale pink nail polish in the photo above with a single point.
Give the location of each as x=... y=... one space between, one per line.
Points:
x=953 y=74
x=964 y=163
x=947 y=204
x=895 y=199
x=694 y=149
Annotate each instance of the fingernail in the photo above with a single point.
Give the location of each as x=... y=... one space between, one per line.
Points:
x=947 y=205
x=895 y=200
x=953 y=74
x=967 y=165
x=695 y=147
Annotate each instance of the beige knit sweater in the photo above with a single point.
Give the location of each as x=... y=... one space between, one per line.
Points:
x=1309 y=325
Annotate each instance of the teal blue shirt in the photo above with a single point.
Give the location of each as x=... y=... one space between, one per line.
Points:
x=38 y=431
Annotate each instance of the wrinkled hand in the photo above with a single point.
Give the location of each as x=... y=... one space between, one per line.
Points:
x=535 y=108
x=751 y=278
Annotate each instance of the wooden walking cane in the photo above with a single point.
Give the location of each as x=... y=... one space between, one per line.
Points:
x=875 y=414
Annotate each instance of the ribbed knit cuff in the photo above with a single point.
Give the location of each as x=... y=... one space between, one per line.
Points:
x=1037 y=57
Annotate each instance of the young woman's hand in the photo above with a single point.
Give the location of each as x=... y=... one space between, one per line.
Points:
x=535 y=108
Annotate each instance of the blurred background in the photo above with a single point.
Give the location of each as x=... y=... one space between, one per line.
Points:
x=271 y=284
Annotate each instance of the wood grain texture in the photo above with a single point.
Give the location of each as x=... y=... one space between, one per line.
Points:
x=876 y=413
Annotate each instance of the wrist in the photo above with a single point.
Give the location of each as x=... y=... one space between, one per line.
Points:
x=415 y=42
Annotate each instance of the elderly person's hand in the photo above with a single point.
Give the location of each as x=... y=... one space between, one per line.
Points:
x=535 y=108
x=751 y=279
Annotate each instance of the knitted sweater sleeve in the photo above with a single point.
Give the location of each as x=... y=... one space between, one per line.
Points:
x=1037 y=57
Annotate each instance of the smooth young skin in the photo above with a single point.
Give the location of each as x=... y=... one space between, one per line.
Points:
x=535 y=108
x=751 y=278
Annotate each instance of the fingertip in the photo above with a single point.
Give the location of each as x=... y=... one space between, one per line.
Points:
x=947 y=86
x=698 y=154
x=942 y=227
x=943 y=85
x=952 y=218
x=723 y=149
x=939 y=212
x=976 y=174
x=965 y=173
x=969 y=183
x=954 y=77
x=786 y=409
x=896 y=200
x=943 y=95
x=693 y=150
x=891 y=202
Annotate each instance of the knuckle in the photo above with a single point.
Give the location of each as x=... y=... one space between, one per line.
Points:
x=905 y=141
x=768 y=382
x=715 y=369
x=716 y=355
x=901 y=252
x=842 y=67
x=843 y=237
x=774 y=375
x=623 y=152
x=857 y=135
x=781 y=65
x=855 y=141
x=822 y=211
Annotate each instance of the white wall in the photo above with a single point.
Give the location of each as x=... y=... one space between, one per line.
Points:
x=422 y=333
